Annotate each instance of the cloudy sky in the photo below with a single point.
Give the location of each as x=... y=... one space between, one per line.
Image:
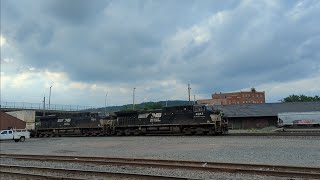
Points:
x=85 y=49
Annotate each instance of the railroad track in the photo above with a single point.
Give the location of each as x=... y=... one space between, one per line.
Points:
x=256 y=169
x=32 y=172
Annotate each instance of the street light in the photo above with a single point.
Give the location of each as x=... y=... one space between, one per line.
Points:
x=165 y=93
x=166 y=101
x=189 y=90
x=133 y=98
x=50 y=96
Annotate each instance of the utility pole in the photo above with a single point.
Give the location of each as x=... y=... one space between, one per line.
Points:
x=194 y=99
x=105 y=104
x=133 y=98
x=189 y=90
x=50 y=96
x=44 y=106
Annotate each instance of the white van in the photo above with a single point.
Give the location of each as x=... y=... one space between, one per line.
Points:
x=14 y=134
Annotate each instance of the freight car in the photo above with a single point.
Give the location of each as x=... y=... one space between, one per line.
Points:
x=188 y=120
x=299 y=119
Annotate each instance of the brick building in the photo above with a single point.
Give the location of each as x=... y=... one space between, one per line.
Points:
x=7 y=121
x=242 y=97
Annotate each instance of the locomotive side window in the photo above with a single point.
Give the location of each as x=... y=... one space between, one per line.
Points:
x=199 y=108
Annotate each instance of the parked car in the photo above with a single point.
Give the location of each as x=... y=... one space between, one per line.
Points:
x=14 y=134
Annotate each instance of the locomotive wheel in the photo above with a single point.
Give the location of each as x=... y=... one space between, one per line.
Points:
x=119 y=133
x=211 y=132
x=199 y=131
x=136 y=132
x=128 y=132
x=187 y=131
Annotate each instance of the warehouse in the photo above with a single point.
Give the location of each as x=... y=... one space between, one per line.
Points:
x=247 y=116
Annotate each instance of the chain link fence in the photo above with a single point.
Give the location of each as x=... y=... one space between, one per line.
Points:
x=40 y=106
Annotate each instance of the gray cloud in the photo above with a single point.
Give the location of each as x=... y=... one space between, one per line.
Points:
x=76 y=11
x=250 y=43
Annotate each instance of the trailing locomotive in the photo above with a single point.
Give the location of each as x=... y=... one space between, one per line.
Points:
x=188 y=120
x=87 y=124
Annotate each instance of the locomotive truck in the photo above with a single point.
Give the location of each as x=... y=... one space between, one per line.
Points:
x=187 y=120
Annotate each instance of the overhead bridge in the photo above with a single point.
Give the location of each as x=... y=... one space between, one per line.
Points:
x=43 y=109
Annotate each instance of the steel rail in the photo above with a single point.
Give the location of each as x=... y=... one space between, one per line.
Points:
x=35 y=176
x=258 y=169
x=76 y=174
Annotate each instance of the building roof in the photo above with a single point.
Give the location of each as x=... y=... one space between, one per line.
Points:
x=267 y=109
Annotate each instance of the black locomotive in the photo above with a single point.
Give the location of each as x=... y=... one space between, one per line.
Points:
x=187 y=120
x=190 y=119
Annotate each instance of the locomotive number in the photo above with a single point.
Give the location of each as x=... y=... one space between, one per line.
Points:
x=199 y=114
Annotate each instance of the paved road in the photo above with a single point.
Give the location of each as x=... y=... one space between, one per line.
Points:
x=298 y=151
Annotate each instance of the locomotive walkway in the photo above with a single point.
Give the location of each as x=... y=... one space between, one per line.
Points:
x=256 y=169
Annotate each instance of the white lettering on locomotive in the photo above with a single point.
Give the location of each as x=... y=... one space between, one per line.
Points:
x=155 y=117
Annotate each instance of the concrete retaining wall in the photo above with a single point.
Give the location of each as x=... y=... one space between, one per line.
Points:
x=26 y=116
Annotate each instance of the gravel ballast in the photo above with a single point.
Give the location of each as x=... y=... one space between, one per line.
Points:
x=135 y=170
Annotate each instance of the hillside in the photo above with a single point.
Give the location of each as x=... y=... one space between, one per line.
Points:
x=145 y=105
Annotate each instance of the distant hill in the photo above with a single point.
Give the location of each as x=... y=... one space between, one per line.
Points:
x=144 y=105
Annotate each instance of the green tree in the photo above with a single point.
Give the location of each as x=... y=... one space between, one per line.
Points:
x=300 y=98
x=145 y=106
x=151 y=105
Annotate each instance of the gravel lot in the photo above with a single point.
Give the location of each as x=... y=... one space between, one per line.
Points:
x=296 y=151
